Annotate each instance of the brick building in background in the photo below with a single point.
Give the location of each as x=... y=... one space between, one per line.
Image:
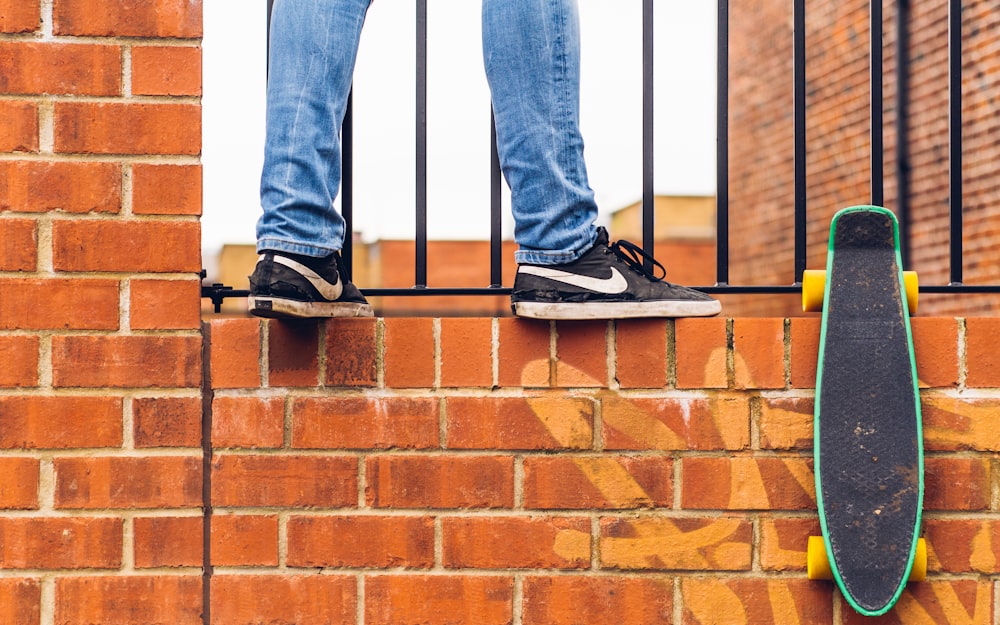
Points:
x=838 y=140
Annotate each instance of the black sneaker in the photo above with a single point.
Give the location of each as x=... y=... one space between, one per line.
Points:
x=288 y=285
x=609 y=281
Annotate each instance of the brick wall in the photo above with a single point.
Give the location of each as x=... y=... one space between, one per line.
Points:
x=100 y=342
x=450 y=470
x=388 y=471
x=838 y=141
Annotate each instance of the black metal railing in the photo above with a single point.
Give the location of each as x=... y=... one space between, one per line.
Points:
x=217 y=293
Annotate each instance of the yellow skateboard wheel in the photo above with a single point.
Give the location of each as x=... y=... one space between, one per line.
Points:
x=912 y=286
x=818 y=561
x=813 y=289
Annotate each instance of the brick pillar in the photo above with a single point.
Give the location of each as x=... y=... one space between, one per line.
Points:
x=100 y=342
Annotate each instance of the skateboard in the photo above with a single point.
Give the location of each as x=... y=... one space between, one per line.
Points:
x=867 y=422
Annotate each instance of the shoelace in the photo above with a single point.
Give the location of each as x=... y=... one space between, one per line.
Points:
x=634 y=256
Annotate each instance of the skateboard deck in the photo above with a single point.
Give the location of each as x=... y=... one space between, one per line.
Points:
x=868 y=433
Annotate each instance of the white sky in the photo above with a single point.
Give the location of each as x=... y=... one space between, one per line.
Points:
x=458 y=113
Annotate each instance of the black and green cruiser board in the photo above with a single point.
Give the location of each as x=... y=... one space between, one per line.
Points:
x=868 y=434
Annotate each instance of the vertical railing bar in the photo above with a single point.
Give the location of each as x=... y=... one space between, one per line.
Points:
x=648 y=199
x=955 y=135
x=267 y=51
x=875 y=71
x=347 y=184
x=722 y=145
x=903 y=127
x=420 y=239
x=799 y=134
x=496 y=245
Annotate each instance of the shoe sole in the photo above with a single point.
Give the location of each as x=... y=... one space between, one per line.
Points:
x=278 y=308
x=616 y=310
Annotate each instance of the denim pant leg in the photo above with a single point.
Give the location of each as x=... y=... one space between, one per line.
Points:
x=313 y=48
x=531 y=50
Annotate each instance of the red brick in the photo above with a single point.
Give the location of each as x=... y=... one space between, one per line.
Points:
x=245 y=540
x=602 y=482
x=299 y=599
x=582 y=354
x=524 y=543
x=127 y=128
x=293 y=353
x=570 y=600
x=56 y=304
x=963 y=545
x=935 y=346
x=409 y=352
x=982 y=356
x=126 y=361
x=960 y=423
x=804 y=351
x=714 y=600
x=687 y=544
x=136 y=246
x=34 y=68
x=466 y=351
x=124 y=18
x=19 y=481
x=165 y=304
x=18 y=245
x=956 y=483
x=784 y=543
x=351 y=352
x=524 y=353
x=544 y=422
x=128 y=483
x=235 y=353
x=700 y=352
x=786 y=423
x=400 y=481
x=382 y=542
x=721 y=421
x=168 y=542
x=20 y=598
x=748 y=483
x=18 y=126
x=32 y=422
x=365 y=423
x=282 y=481
x=438 y=600
x=128 y=599
x=166 y=70
x=20 y=357
x=166 y=189
x=641 y=353
x=72 y=187
x=167 y=421
x=18 y=16
x=759 y=353
x=61 y=543
x=248 y=422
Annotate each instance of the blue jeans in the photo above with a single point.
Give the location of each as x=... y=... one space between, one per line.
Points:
x=531 y=50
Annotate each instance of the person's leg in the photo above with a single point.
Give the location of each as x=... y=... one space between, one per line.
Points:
x=531 y=50
x=313 y=47
x=568 y=268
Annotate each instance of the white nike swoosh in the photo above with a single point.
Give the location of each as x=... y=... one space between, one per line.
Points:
x=616 y=283
x=327 y=290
